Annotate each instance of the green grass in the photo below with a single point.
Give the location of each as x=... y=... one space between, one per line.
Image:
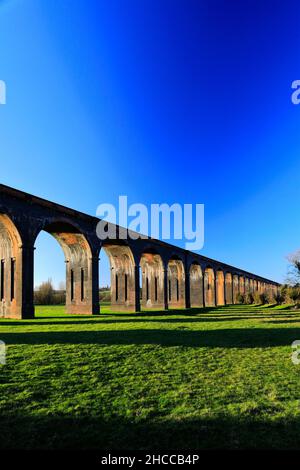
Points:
x=210 y=378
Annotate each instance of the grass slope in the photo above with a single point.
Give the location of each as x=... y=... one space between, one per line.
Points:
x=210 y=378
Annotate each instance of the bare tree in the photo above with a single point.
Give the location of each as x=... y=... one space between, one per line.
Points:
x=293 y=274
x=45 y=293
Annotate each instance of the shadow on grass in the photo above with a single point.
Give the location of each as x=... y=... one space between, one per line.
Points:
x=283 y=322
x=225 y=338
x=140 y=319
x=268 y=306
x=60 y=432
x=279 y=308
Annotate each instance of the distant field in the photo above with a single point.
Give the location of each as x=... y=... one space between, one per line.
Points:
x=203 y=378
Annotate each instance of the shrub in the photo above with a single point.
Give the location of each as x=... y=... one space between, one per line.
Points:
x=263 y=298
x=279 y=299
x=256 y=297
x=104 y=295
x=59 y=297
x=240 y=298
x=293 y=294
x=249 y=298
x=284 y=293
x=270 y=298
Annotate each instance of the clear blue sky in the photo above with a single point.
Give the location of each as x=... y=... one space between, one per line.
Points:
x=164 y=101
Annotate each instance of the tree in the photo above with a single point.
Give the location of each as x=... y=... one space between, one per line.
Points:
x=45 y=294
x=293 y=276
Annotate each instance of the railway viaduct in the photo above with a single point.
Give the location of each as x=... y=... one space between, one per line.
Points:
x=170 y=276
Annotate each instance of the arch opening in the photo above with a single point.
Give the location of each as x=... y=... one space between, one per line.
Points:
x=49 y=271
x=122 y=277
x=104 y=282
x=176 y=283
x=10 y=268
x=196 y=285
x=80 y=296
x=236 y=288
x=152 y=280
x=209 y=287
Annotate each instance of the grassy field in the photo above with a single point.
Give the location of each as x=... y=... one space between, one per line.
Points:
x=210 y=378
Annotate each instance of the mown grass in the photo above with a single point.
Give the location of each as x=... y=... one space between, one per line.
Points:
x=203 y=378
